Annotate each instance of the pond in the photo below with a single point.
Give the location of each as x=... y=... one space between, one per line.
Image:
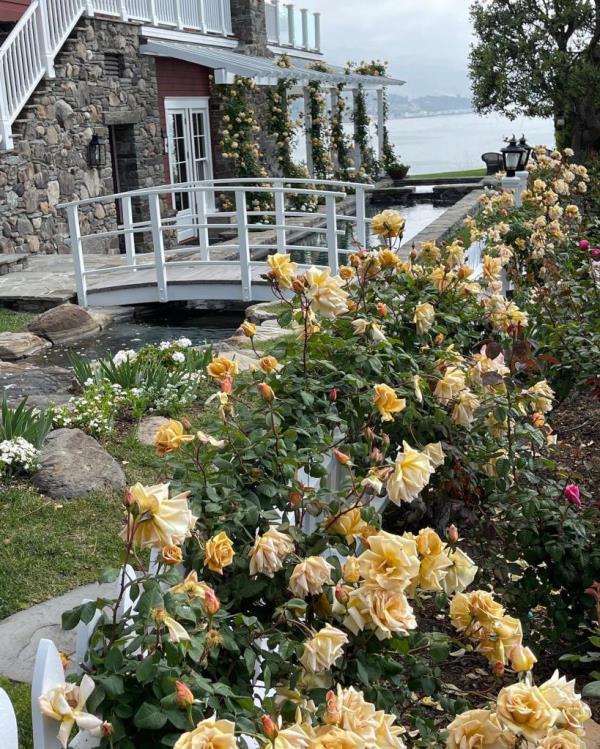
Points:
x=418 y=216
x=160 y=325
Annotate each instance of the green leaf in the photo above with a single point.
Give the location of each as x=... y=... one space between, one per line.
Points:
x=592 y=689
x=150 y=717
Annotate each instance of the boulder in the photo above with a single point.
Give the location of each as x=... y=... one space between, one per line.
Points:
x=15 y=346
x=64 y=324
x=148 y=427
x=73 y=464
x=259 y=313
x=41 y=385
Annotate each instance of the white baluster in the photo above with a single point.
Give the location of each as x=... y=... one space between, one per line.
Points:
x=43 y=34
x=178 y=14
x=221 y=11
x=152 y=12
x=361 y=223
x=8 y=723
x=317 y=17
x=244 y=244
x=127 y=215
x=332 y=241
x=5 y=119
x=291 y=25
x=159 y=246
x=77 y=252
x=277 y=22
x=203 y=239
x=47 y=673
x=124 y=16
x=202 y=9
x=304 y=16
x=280 y=217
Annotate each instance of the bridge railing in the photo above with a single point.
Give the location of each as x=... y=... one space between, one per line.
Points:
x=263 y=215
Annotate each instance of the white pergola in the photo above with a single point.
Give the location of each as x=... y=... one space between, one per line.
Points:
x=227 y=64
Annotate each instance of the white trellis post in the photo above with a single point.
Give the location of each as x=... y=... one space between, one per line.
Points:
x=317 y=17
x=361 y=219
x=280 y=217
x=308 y=128
x=203 y=239
x=8 y=723
x=244 y=244
x=291 y=25
x=158 y=241
x=127 y=216
x=277 y=22
x=304 y=16
x=332 y=239
x=77 y=252
x=357 y=151
x=381 y=122
x=334 y=95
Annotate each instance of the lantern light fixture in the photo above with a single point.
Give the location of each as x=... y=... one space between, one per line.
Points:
x=527 y=151
x=512 y=155
x=97 y=152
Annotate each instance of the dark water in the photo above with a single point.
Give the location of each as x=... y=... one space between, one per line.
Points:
x=200 y=328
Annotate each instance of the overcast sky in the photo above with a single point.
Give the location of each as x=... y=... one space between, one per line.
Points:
x=426 y=42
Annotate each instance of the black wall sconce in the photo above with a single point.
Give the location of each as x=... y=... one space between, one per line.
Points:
x=97 y=152
x=165 y=142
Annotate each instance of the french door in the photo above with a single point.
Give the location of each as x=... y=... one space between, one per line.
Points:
x=188 y=135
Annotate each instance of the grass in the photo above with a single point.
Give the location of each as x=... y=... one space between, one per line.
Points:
x=12 y=321
x=442 y=175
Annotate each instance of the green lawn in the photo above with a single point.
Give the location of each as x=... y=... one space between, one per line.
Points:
x=13 y=322
x=442 y=175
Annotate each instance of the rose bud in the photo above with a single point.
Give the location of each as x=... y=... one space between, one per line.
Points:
x=341 y=596
x=211 y=602
x=595 y=254
x=376 y=455
x=266 y=391
x=185 y=698
x=333 y=394
x=227 y=385
x=64 y=659
x=171 y=555
x=269 y=727
x=342 y=457
x=452 y=533
x=186 y=423
x=248 y=329
x=382 y=309
x=584 y=244
x=295 y=499
x=522 y=659
x=128 y=499
x=439 y=339
x=298 y=285
x=332 y=714
x=498 y=669
x=572 y=494
x=538 y=420
x=106 y=729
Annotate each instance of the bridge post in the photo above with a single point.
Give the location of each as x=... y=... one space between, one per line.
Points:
x=361 y=224
x=332 y=240
x=203 y=240
x=280 y=217
x=159 y=246
x=127 y=216
x=244 y=244
x=77 y=252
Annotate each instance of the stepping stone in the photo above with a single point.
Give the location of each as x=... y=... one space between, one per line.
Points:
x=148 y=427
x=73 y=464
x=19 y=345
x=21 y=632
x=41 y=385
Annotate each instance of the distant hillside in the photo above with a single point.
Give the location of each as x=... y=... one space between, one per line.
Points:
x=402 y=106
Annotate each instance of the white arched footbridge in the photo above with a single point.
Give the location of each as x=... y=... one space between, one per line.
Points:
x=173 y=256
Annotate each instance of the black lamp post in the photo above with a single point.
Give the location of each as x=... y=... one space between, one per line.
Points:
x=511 y=157
x=97 y=152
x=527 y=150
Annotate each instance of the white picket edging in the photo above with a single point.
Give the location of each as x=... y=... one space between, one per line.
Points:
x=8 y=723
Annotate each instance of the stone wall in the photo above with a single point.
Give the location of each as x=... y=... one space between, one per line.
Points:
x=101 y=81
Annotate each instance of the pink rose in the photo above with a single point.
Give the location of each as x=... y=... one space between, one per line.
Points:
x=573 y=495
x=595 y=254
x=584 y=244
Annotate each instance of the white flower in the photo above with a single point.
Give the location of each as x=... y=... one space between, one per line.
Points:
x=178 y=357
x=184 y=342
x=124 y=355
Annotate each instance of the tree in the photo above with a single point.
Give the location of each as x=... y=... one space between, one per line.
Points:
x=540 y=58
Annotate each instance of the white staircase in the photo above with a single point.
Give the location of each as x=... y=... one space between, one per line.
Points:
x=29 y=51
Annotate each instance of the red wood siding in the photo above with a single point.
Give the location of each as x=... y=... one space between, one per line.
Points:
x=178 y=78
x=12 y=10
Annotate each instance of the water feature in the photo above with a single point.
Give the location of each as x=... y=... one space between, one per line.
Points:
x=161 y=325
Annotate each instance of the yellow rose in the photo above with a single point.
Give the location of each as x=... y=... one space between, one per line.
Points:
x=492 y=266
x=325 y=292
x=478 y=729
x=375 y=727
x=177 y=632
x=391 y=562
x=209 y=734
x=435 y=453
x=562 y=740
x=351 y=570
x=484 y=608
x=348 y=524
x=222 y=368
x=521 y=658
x=219 y=553
x=332 y=737
x=269 y=552
x=411 y=475
x=464 y=409
x=323 y=650
x=429 y=543
x=159 y=521
x=268 y=364
x=170 y=437
x=385 y=612
x=283 y=269
x=191 y=586
x=388 y=224
x=424 y=317
x=310 y=576
x=450 y=386
x=432 y=572
x=543 y=396
x=560 y=693
x=65 y=703
x=388 y=259
x=171 y=555
x=524 y=710
x=347 y=272
x=297 y=736
x=387 y=402
x=460 y=613
x=248 y=329
x=461 y=574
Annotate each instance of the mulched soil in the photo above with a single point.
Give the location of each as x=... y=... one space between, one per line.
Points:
x=577 y=424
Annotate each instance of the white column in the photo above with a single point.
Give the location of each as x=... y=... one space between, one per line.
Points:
x=123 y=11
x=380 y=121
x=357 y=153
x=158 y=241
x=77 y=252
x=280 y=217
x=317 y=17
x=127 y=215
x=308 y=126
x=277 y=24
x=178 y=16
x=44 y=38
x=244 y=244
x=152 y=12
x=304 y=14
x=291 y=29
x=202 y=12
x=524 y=177
x=513 y=184
x=203 y=239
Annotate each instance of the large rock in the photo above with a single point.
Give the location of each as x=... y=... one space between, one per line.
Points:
x=592 y=734
x=15 y=346
x=73 y=464
x=65 y=323
x=40 y=385
x=148 y=427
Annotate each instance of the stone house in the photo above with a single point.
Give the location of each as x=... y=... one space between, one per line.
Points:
x=104 y=96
